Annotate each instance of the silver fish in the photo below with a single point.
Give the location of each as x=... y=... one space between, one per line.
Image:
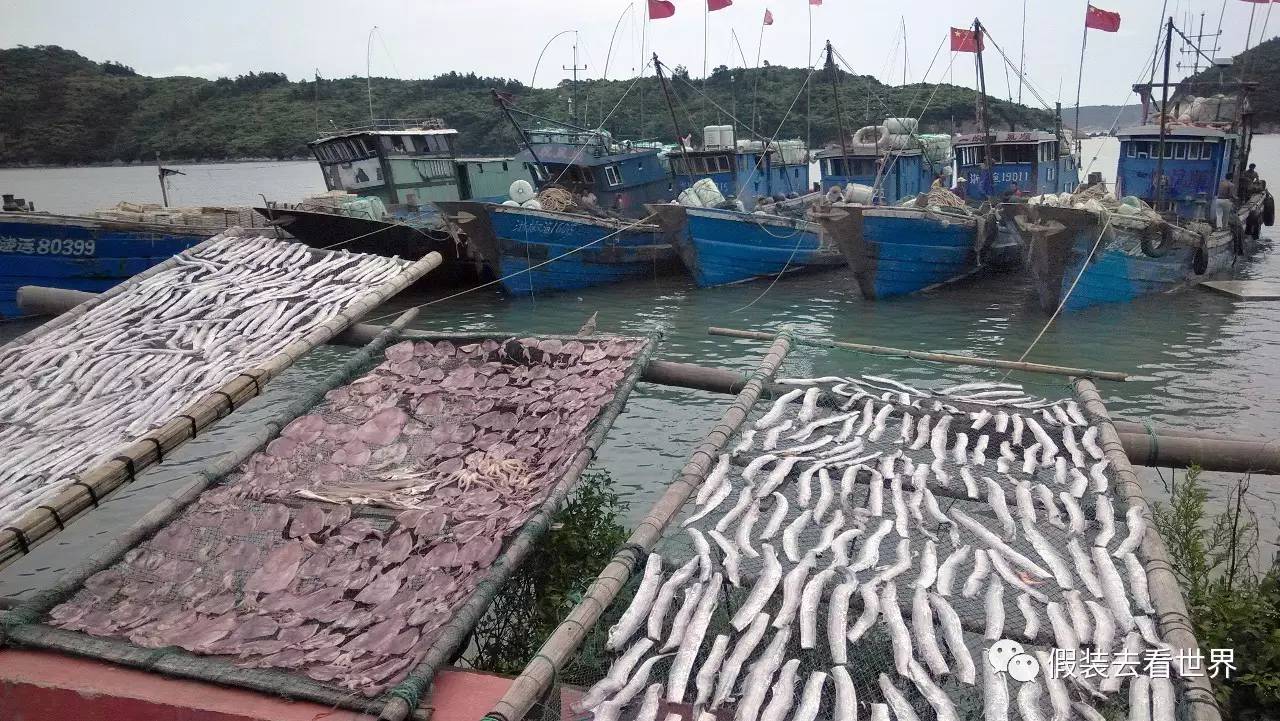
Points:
x=875 y=494
x=1138 y=583
x=948 y=568
x=1069 y=442
x=662 y=603
x=682 y=666
x=1132 y=649
x=730 y=556
x=809 y=406
x=928 y=566
x=1084 y=568
x=826 y=494
x=774 y=435
x=779 y=474
x=995 y=497
x=1017 y=430
x=810 y=698
x=1032 y=619
x=756 y=465
x=638 y=611
x=776 y=516
x=953 y=634
x=717 y=476
x=922 y=433
x=1075 y=517
x=870 y=553
x=970 y=483
x=1061 y=572
x=809 y=600
x=746 y=498
x=899 y=507
x=829 y=531
x=901 y=564
x=1080 y=619
x=943 y=708
x=880 y=423
x=766 y=583
x=898 y=633
x=1059 y=700
x=922 y=627
x=688 y=605
x=617 y=676
x=1104 y=628
x=706 y=677
x=760 y=676
x=1097 y=473
x=791 y=535
x=995 y=692
x=713 y=503
x=743 y=537
x=981 y=569
x=907 y=434
x=961 y=452
x=1104 y=513
x=995 y=544
x=902 y=708
x=938 y=439
x=779 y=409
x=1028 y=700
x=1064 y=632
x=1140 y=699
x=744 y=445
x=1011 y=577
x=846 y=701
x=784 y=692
x=995 y=610
x=838 y=622
x=840 y=546
x=1137 y=525
x=980 y=450
x=792 y=586
x=804 y=485
x=870 y=612
x=1089 y=441
x=747 y=643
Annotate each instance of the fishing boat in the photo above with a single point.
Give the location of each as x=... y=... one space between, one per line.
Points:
x=585 y=226
x=742 y=170
x=1023 y=163
x=1164 y=227
x=82 y=252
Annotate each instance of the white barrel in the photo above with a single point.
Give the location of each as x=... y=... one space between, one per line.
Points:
x=872 y=135
x=902 y=126
x=689 y=198
x=859 y=194
x=708 y=194
x=531 y=204
x=521 y=191
x=510 y=202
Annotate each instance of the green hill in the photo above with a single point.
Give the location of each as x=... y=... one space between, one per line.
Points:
x=1261 y=64
x=58 y=107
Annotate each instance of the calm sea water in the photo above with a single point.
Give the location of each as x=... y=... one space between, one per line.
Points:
x=1203 y=361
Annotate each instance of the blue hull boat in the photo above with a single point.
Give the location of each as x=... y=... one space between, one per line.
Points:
x=523 y=247
x=894 y=250
x=1123 y=259
x=719 y=247
x=79 y=253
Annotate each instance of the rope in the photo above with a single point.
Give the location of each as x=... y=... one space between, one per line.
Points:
x=1155 y=440
x=774 y=282
x=531 y=268
x=1083 y=266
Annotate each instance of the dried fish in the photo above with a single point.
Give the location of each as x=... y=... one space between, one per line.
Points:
x=995 y=610
x=706 y=678
x=1104 y=628
x=744 y=445
x=666 y=593
x=756 y=465
x=792 y=587
x=730 y=556
x=995 y=692
x=870 y=612
x=1138 y=583
x=638 y=611
x=981 y=569
x=840 y=547
x=922 y=627
x=776 y=516
x=809 y=600
x=678 y=676
x=804 y=486
x=1131 y=649
x=703 y=551
x=762 y=591
x=948 y=568
x=1097 y=473
x=1061 y=572
x=1059 y=700
x=1140 y=699
x=898 y=633
x=617 y=676
x=1063 y=632
x=747 y=643
x=1089 y=441
x=867 y=418
x=1031 y=626
x=880 y=423
x=943 y=708
x=826 y=495
x=760 y=676
x=1084 y=568
x=995 y=497
x=743 y=537
x=938 y=439
x=681 y=621
x=1104 y=514
x=649 y=707
x=928 y=566
x=922 y=433
x=746 y=499
x=718 y=476
x=810 y=698
x=773 y=435
x=902 y=708
x=791 y=535
x=1079 y=615
x=907 y=432
x=1136 y=522
x=1069 y=442
x=846 y=701
x=838 y=621
x=980 y=450
x=809 y=405
x=611 y=709
x=829 y=531
x=953 y=634
x=784 y=691
x=1028 y=700
x=778 y=410
x=713 y=503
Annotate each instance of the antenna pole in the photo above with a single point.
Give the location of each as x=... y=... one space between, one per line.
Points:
x=1022 y=58
x=675 y=124
x=524 y=137
x=1084 y=41
x=573 y=94
x=835 y=91
x=368 y=71
x=983 y=110
x=164 y=192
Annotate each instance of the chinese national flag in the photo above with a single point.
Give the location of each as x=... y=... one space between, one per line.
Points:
x=659 y=9
x=714 y=5
x=1103 y=20
x=768 y=17
x=815 y=2
x=965 y=41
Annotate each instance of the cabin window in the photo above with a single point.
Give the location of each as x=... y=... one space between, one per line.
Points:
x=1144 y=149
x=479 y=167
x=504 y=166
x=369 y=147
x=1168 y=150
x=1206 y=151
x=725 y=165
x=795 y=172
x=539 y=173
x=611 y=174
x=1180 y=151
x=397 y=143
x=1193 y=151
x=1133 y=149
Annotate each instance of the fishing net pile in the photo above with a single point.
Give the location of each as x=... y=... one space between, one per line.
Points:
x=869 y=549
x=342 y=548
x=70 y=397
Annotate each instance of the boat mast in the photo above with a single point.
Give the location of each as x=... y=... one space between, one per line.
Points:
x=1164 y=117
x=675 y=124
x=983 y=120
x=835 y=91
x=574 y=102
x=524 y=137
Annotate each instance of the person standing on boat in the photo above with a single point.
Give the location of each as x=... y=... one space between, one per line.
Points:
x=1250 y=180
x=1222 y=206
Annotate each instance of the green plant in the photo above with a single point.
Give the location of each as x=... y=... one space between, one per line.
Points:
x=1232 y=603
x=583 y=537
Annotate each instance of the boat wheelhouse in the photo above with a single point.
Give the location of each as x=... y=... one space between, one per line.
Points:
x=1031 y=162
x=895 y=174
x=409 y=163
x=743 y=169
x=622 y=177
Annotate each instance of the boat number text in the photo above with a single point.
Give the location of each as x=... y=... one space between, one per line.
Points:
x=46 y=246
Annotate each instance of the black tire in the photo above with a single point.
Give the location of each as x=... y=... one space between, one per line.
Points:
x=1253 y=226
x=1269 y=210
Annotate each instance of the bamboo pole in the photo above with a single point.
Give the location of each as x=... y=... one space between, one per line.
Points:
x=938 y=357
x=20 y=626
x=1166 y=596
x=1209 y=453
x=94 y=484
x=537 y=677
x=408 y=693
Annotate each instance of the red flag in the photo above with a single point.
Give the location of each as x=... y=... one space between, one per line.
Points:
x=768 y=17
x=714 y=5
x=965 y=41
x=1103 y=20
x=659 y=9
x=815 y=2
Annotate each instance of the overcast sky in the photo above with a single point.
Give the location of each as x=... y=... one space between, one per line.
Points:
x=504 y=37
